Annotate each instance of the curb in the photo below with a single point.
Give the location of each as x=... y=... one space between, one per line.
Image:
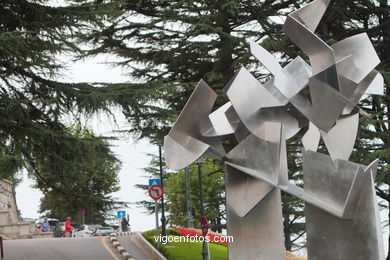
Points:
x=146 y=243
x=121 y=250
x=126 y=255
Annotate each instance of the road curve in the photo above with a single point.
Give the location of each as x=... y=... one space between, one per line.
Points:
x=59 y=249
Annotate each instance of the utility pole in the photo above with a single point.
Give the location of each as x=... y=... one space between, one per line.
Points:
x=188 y=197
x=163 y=230
x=205 y=253
x=157 y=229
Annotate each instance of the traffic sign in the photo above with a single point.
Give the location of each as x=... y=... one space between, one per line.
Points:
x=121 y=214
x=204 y=224
x=154 y=182
x=82 y=212
x=156 y=192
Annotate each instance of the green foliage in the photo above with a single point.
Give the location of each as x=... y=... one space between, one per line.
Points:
x=176 y=43
x=174 y=188
x=35 y=101
x=85 y=182
x=149 y=236
x=213 y=184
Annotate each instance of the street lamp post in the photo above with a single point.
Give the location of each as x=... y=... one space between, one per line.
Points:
x=188 y=197
x=163 y=230
x=91 y=184
x=205 y=254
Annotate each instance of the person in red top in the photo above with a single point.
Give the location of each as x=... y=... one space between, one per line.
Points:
x=68 y=227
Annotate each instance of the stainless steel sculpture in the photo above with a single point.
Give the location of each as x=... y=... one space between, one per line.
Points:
x=342 y=219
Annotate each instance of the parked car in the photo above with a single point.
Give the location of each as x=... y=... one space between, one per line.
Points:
x=86 y=230
x=59 y=229
x=103 y=231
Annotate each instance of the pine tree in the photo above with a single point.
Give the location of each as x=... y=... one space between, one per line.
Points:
x=171 y=45
x=168 y=46
x=35 y=102
x=86 y=186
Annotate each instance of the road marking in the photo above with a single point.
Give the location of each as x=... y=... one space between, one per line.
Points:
x=104 y=243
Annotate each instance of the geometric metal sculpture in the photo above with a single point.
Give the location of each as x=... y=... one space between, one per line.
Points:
x=342 y=219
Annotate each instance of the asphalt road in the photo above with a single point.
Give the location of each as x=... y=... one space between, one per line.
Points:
x=59 y=248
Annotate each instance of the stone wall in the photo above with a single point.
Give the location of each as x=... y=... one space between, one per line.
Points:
x=7 y=201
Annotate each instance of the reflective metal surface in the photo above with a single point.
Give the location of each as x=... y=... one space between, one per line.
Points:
x=187 y=140
x=342 y=219
x=258 y=234
x=359 y=237
x=311 y=139
x=341 y=138
x=221 y=124
x=362 y=52
x=255 y=105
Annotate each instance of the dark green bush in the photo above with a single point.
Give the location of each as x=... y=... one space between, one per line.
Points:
x=149 y=235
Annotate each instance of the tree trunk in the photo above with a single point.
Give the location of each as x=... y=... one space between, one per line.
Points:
x=287 y=232
x=388 y=239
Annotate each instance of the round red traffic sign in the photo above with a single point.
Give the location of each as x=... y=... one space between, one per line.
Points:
x=156 y=192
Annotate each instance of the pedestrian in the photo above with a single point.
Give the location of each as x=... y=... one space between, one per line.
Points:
x=68 y=227
x=45 y=226
x=124 y=224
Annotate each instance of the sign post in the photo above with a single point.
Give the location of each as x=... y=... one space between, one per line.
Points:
x=82 y=213
x=156 y=192
x=205 y=253
x=204 y=224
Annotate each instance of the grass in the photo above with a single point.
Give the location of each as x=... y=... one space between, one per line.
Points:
x=192 y=251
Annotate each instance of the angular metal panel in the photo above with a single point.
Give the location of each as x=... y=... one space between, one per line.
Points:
x=311 y=14
x=289 y=80
x=324 y=108
x=262 y=158
x=330 y=237
x=341 y=138
x=246 y=191
x=178 y=156
x=189 y=128
x=376 y=87
x=255 y=105
x=221 y=124
x=311 y=139
x=241 y=132
x=360 y=48
x=299 y=72
x=326 y=180
x=321 y=55
x=258 y=235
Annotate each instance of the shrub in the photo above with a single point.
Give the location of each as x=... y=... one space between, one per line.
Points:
x=149 y=236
